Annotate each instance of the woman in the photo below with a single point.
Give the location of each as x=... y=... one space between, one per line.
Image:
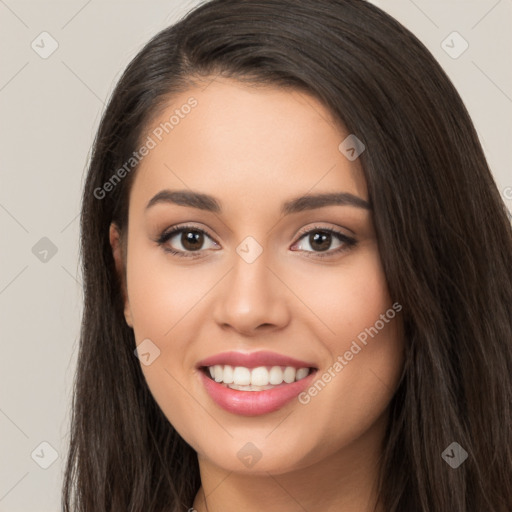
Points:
x=298 y=276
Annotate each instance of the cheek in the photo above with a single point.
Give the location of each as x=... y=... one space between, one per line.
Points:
x=361 y=331
x=161 y=293
x=349 y=298
x=164 y=302
x=161 y=302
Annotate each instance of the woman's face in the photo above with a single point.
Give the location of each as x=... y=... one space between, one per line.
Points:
x=267 y=275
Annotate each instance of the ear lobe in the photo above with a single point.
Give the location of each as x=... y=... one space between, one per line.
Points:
x=117 y=253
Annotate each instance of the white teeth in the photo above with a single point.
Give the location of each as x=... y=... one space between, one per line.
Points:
x=289 y=374
x=228 y=375
x=217 y=369
x=259 y=376
x=301 y=373
x=241 y=376
x=253 y=379
x=276 y=375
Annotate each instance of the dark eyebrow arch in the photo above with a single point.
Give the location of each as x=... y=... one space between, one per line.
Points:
x=312 y=201
x=186 y=198
x=298 y=204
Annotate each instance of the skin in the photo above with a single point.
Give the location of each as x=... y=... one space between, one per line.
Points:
x=254 y=148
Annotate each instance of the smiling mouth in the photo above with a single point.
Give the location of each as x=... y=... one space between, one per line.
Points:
x=255 y=379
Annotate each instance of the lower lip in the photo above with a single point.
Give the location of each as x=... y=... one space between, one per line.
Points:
x=254 y=403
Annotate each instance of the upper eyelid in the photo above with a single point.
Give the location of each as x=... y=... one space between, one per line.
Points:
x=171 y=232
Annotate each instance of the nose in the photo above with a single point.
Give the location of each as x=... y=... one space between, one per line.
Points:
x=252 y=298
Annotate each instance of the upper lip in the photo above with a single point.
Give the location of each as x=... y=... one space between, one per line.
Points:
x=254 y=359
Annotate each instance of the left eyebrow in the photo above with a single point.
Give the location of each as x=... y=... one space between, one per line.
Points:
x=298 y=204
x=312 y=201
x=186 y=198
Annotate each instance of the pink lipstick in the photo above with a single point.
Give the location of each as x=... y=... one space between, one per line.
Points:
x=263 y=381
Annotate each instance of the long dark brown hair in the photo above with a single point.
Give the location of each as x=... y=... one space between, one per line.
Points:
x=444 y=238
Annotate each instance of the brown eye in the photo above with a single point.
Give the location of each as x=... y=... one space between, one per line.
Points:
x=321 y=239
x=192 y=240
x=189 y=240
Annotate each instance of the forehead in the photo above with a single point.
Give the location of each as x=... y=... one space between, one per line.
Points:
x=247 y=145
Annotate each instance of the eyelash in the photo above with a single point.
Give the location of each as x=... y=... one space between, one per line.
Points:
x=348 y=241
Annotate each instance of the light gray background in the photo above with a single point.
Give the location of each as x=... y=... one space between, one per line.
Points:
x=50 y=110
